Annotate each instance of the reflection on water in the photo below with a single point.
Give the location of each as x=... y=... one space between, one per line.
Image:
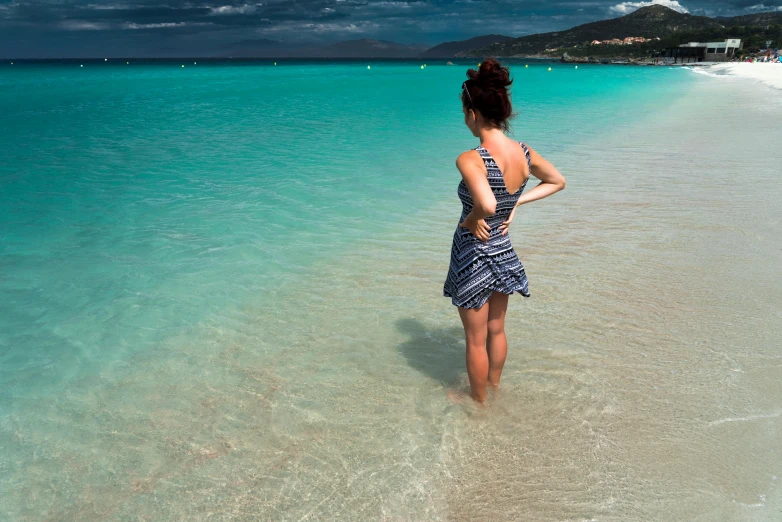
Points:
x=642 y=383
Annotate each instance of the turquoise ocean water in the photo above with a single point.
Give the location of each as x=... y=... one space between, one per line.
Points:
x=138 y=200
x=220 y=295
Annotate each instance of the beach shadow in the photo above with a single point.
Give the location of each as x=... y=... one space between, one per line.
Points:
x=437 y=353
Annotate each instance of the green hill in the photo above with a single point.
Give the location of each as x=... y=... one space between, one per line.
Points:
x=654 y=21
x=757 y=19
x=451 y=49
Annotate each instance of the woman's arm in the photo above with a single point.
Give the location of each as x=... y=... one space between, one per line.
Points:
x=551 y=181
x=473 y=171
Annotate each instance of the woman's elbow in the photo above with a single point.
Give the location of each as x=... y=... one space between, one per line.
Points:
x=485 y=209
x=562 y=183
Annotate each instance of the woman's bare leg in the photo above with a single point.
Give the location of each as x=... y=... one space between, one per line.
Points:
x=475 y=332
x=497 y=344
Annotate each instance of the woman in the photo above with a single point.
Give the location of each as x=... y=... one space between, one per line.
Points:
x=484 y=269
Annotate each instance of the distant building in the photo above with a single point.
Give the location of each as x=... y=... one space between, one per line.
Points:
x=716 y=51
x=694 y=52
x=596 y=42
x=674 y=55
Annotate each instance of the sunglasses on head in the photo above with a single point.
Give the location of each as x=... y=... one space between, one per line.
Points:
x=465 y=89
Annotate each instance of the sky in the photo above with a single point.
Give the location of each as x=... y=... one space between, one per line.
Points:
x=70 y=28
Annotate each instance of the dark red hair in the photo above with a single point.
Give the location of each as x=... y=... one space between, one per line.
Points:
x=486 y=91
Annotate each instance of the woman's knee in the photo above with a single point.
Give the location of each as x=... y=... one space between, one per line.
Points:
x=496 y=328
x=475 y=341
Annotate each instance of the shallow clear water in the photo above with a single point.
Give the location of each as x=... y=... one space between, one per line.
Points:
x=221 y=298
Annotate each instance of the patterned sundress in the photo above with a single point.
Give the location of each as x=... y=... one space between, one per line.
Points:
x=478 y=269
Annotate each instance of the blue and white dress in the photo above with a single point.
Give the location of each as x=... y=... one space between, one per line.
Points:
x=478 y=269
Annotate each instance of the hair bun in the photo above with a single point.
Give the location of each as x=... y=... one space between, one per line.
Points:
x=487 y=92
x=491 y=74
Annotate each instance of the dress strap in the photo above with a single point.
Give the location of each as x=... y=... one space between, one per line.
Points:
x=488 y=160
x=526 y=153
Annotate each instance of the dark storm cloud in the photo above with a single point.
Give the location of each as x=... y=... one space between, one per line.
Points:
x=217 y=21
x=216 y=13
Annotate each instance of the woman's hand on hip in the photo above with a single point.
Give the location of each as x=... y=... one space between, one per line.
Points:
x=506 y=224
x=478 y=227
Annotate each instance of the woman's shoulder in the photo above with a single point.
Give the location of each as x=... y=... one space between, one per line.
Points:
x=470 y=163
x=468 y=157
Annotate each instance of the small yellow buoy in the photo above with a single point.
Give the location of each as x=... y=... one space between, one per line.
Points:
x=422 y=67
x=105 y=59
x=81 y=66
x=195 y=63
x=549 y=69
x=12 y=63
x=369 y=67
x=576 y=66
x=183 y=66
x=275 y=63
x=127 y=63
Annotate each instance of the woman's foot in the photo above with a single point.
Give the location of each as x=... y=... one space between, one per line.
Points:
x=479 y=402
x=494 y=390
x=480 y=399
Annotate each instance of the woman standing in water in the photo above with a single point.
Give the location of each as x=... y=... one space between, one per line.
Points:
x=484 y=268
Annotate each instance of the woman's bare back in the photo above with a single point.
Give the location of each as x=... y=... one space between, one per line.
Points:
x=512 y=162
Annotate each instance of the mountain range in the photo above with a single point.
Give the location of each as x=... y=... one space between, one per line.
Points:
x=655 y=21
x=361 y=48
x=451 y=49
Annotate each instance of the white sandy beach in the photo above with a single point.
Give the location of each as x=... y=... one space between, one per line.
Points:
x=767 y=73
